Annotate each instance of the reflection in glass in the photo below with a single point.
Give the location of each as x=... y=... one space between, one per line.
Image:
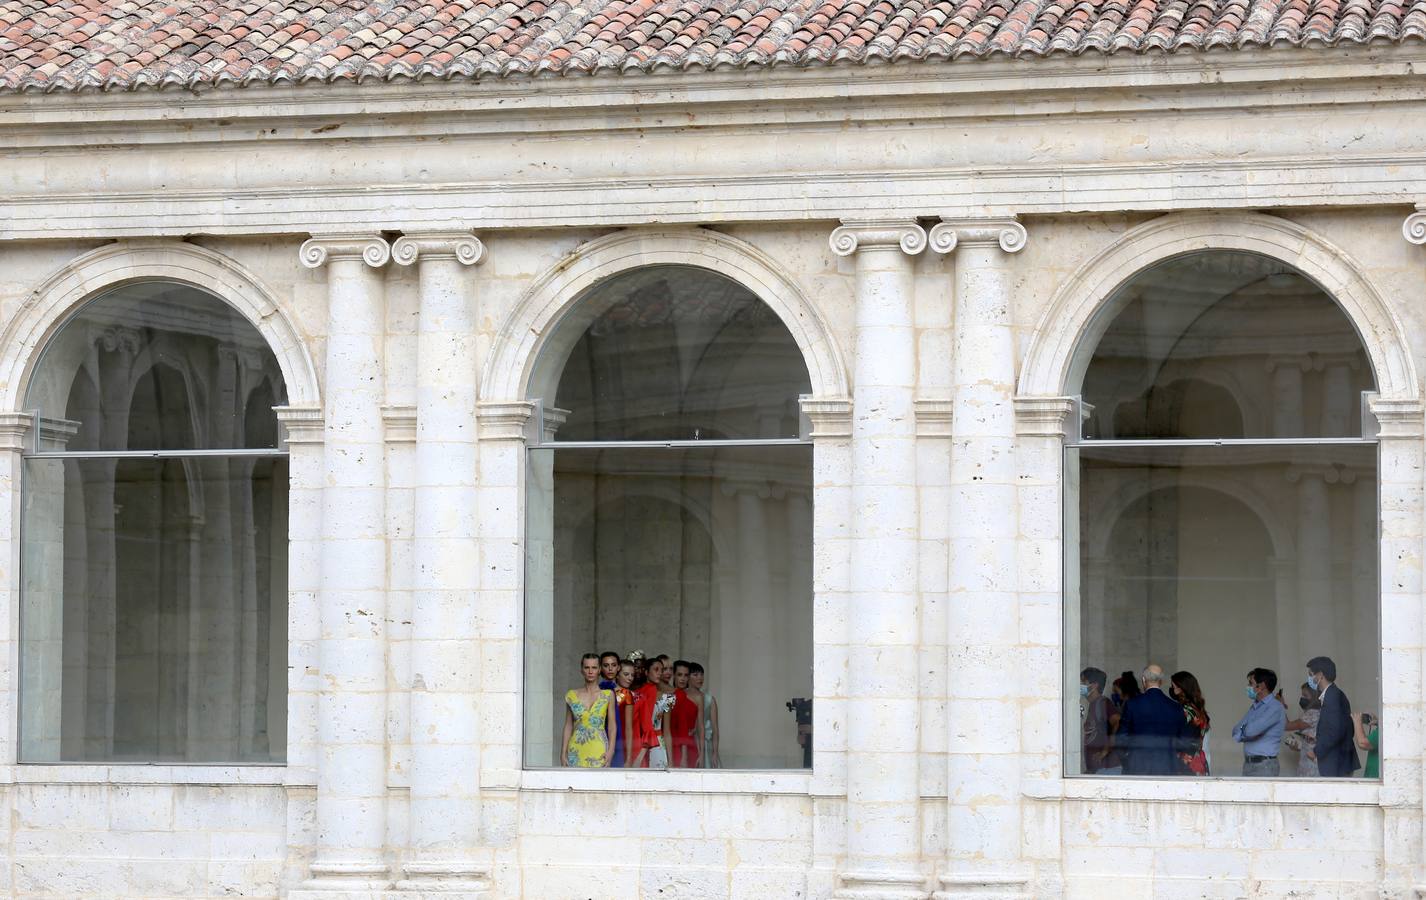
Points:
x=1227 y=345
x=158 y=366
x=675 y=353
x=153 y=620
x=153 y=612
x=703 y=554
x=1220 y=559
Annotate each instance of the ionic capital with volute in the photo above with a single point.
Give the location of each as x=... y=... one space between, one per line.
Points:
x=318 y=250
x=1007 y=233
x=461 y=246
x=878 y=234
x=1414 y=228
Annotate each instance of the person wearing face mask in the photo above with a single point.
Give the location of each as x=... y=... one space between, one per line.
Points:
x=1302 y=731
x=1099 y=755
x=1260 y=730
x=1336 y=751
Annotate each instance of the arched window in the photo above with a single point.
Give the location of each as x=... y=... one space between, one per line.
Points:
x=1221 y=518
x=669 y=512
x=153 y=565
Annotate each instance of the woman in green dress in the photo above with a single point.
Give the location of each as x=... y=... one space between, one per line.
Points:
x=1367 y=731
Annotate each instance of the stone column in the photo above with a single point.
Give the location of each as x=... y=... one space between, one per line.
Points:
x=985 y=660
x=1337 y=399
x=1314 y=558
x=540 y=596
x=882 y=858
x=445 y=658
x=1401 y=515
x=351 y=716
x=830 y=418
x=1283 y=571
x=302 y=432
x=42 y=587
x=1287 y=411
x=1049 y=555
x=505 y=427
x=752 y=626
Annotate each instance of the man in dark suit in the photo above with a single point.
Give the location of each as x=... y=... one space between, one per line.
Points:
x=1152 y=729
x=1336 y=750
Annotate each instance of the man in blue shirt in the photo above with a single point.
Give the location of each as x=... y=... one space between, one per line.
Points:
x=1260 y=729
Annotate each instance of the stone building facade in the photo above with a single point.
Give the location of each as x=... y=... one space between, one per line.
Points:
x=319 y=653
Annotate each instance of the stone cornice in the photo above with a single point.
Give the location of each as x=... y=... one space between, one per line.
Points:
x=831 y=417
x=1414 y=228
x=400 y=422
x=300 y=424
x=877 y=234
x=689 y=199
x=1043 y=416
x=16 y=432
x=318 y=250
x=15 y=429
x=949 y=234
x=347 y=101
x=933 y=417
x=461 y=246
x=1329 y=473
x=504 y=421
x=1397 y=418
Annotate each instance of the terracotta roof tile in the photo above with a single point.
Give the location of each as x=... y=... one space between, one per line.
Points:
x=105 y=44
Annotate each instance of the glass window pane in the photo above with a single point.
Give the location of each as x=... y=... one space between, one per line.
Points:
x=1226 y=345
x=157 y=366
x=1217 y=560
x=674 y=353
x=702 y=554
x=154 y=611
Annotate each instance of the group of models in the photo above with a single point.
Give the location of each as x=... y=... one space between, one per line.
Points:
x=638 y=713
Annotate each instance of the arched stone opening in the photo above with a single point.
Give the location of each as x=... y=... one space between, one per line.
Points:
x=153 y=536
x=1223 y=489
x=669 y=503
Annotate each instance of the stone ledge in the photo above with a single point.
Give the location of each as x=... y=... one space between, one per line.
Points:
x=87 y=773
x=706 y=781
x=1252 y=791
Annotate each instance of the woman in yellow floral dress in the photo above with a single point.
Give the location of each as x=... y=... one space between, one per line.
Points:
x=588 y=725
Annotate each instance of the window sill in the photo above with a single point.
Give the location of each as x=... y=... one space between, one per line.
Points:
x=1292 y=792
x=687 y=781
x=102 y=773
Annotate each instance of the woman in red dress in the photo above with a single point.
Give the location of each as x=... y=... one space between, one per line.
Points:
x=685 y=721
x=645 y=736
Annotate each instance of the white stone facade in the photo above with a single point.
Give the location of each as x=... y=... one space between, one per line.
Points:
x=938 y=242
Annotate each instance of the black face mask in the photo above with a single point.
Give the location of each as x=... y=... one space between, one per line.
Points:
x=1304 y=702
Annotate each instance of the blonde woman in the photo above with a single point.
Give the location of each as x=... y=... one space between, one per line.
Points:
x=589 y=725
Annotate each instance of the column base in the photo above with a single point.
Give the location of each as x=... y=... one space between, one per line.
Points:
x=970 y=886
x=880 y=886
x=444 y=880
x=345 y=881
